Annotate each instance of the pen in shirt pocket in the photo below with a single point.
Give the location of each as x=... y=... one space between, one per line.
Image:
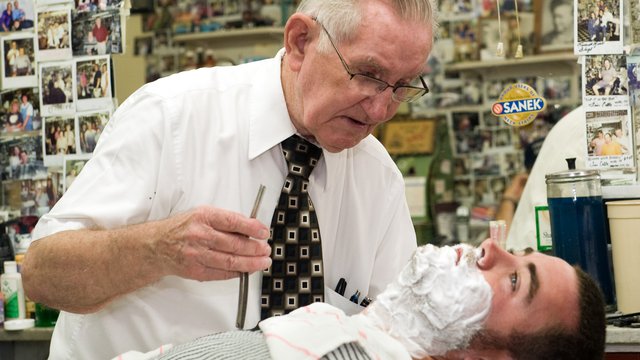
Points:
x=341 y=288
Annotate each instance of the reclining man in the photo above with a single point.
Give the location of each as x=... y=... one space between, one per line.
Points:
x=447 y=303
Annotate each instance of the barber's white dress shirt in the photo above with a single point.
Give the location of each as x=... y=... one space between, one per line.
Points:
x=567 y=139
x=211 y=137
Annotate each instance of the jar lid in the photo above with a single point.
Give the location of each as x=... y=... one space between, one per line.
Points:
x=573 y=175
x=19 y=324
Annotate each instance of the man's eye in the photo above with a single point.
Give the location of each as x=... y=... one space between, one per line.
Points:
x=514 y=280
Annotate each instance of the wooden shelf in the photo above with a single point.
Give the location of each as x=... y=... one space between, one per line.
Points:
x=564 y=62
x=252 y=35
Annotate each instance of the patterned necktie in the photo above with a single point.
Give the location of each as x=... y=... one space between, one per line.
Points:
x=295 y=277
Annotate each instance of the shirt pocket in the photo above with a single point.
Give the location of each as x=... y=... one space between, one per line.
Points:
x=341 y=302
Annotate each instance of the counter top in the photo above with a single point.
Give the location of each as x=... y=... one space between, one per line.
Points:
x=33 y=334
x=623 y=339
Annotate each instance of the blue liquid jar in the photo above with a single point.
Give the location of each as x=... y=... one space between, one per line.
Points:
x=579 y=228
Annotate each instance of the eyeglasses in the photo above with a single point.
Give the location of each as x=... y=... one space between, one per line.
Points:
x=370 y=86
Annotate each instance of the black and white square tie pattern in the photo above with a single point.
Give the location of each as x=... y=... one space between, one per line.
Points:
x=295 y=277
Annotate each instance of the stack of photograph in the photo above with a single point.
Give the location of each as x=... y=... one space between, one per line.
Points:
x=56 y=94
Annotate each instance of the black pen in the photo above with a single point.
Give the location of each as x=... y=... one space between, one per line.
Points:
x=341 y=287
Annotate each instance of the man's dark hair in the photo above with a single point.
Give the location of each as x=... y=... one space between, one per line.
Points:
x=585 y=343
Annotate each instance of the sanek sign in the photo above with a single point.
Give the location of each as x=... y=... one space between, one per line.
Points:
x=518 y=105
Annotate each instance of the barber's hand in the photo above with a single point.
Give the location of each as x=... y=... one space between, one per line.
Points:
x=213 y=244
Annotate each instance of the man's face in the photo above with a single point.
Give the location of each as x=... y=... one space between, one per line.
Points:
x=563 y=17
x=328 y=107
x=530 y=292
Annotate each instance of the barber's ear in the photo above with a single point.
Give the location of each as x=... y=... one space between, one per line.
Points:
x=297 y=36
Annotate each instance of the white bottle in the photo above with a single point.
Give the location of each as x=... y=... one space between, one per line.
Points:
x=11 y=283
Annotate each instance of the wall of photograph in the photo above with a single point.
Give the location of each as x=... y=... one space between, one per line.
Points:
x=56 y=95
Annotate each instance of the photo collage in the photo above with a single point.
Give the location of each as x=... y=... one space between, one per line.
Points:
x=56 y=94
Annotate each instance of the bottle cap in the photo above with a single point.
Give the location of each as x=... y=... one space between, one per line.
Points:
x=19 y=324
x=10 y=267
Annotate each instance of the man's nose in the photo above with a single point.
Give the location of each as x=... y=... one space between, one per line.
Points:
x=380 y=107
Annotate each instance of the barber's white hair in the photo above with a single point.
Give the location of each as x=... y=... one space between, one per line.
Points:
x=342 y=18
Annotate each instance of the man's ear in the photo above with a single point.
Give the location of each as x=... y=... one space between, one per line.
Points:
x=297 y=36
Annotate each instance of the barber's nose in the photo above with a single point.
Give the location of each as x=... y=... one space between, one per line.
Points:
x=380 y=107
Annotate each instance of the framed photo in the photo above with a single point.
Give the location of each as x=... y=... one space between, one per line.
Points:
x=555 y=25
x=399 y=137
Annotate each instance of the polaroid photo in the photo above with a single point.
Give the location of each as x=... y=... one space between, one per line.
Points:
x=634 y=8
x=54 y=34
x=20 y=15
x=555 y=88
x=93 y=83
x=143 y=45
x=598 y=27
x=97 y=5
x=23 y=156
x=458 y=9
x=19 y=67
x=72 y=165
x=57 y=88
x=486 y=164
x=465 y=35
x=59 y=139
x=465 y=136
x=501 y=138
x=633 y=63
x=555 y=25
x=461 y=166
x=608 y=134
x=21 y=111
x=605 y=81
x=97 y=33
x=490 y=121
x=512 y=163
x=444 y=48
x=90 y=126
x=35 y=197
x=462 y=189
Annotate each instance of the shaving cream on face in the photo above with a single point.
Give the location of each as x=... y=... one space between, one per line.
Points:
x=437 y=303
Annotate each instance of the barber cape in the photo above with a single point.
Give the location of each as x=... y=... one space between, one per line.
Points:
x=315 y=330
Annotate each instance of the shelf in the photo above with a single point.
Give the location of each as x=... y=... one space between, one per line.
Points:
x=32 y=334
x=536 y=63
x=251 y=35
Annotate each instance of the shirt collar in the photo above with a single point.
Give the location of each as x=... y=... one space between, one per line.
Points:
x=269 y=122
